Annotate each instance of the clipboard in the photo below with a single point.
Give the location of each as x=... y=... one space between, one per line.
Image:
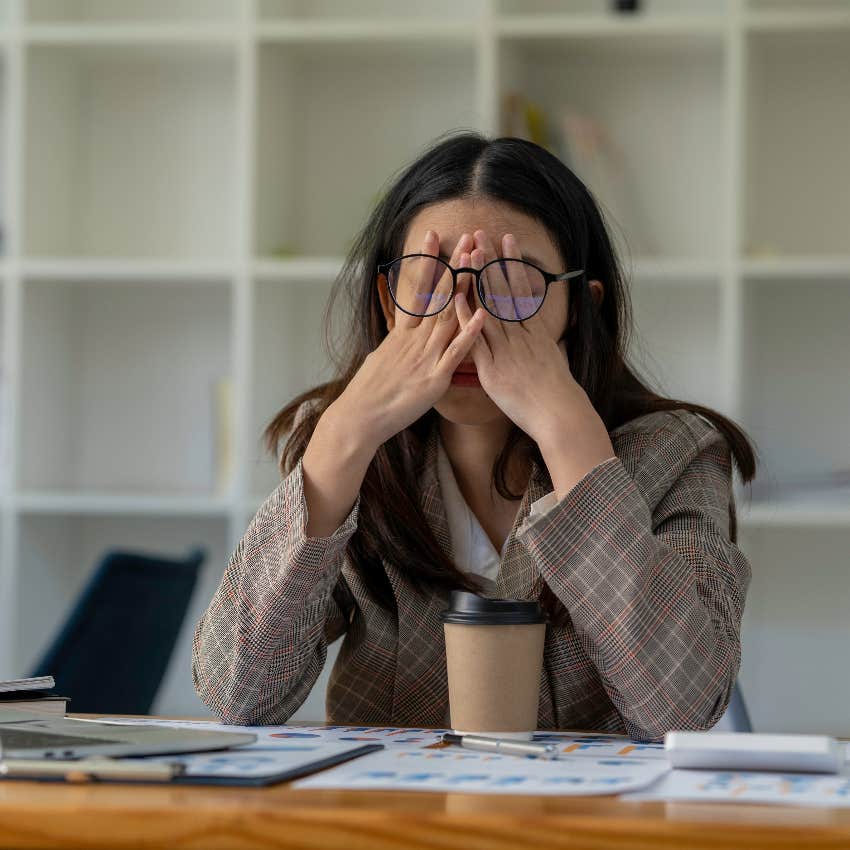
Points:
x=145 y=771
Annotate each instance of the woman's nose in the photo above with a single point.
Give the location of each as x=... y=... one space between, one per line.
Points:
x=466 y=282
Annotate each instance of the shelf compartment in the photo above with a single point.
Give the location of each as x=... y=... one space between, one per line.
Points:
x=603 y=9
x=676 y=354
x=377 y=100
x=110 y=504
x=57 y=553
x=114 y=271
x=796 y=14
x=814 y=511
x=795 y=629
x=378 y=10
x=791 y=208
x=662 y=193
x=288 y=357
x=131 y=152
x=771 y=268
x=118 y=385
x=795 y=396
x=82 y=11
x=318 y=269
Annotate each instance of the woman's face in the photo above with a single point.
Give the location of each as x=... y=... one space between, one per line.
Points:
x=486 y=222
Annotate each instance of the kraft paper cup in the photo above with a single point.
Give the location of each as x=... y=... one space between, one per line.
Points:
x=494 y=657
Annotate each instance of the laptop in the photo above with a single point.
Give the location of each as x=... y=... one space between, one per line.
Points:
x=28 y=735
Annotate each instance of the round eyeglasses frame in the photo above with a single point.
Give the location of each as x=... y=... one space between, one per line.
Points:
x=548 y=277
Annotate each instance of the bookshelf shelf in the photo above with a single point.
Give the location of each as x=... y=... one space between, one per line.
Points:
x=674 y=271
x=116 y=270
x=180 y=181
x=364 y=31
x=795 y=20
x=605 y=26
x=327 y=11
x=822 y=513
x=600 y=10
x=297 y=269
x=793 y=268
x=149 y=34
x=129 y=12
x=79 y=503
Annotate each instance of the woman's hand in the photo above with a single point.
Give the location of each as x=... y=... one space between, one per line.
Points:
x=412 y=367
x=525 y=371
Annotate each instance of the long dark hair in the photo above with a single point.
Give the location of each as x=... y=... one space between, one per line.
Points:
x=533 y=181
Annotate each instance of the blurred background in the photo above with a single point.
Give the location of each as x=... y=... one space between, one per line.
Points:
x=180 y=180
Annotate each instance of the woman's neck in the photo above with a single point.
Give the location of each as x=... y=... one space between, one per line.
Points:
x=472 y=450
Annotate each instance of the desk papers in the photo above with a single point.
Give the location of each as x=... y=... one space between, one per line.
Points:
x=589 y=763
x=459 y=770
x=715 y=786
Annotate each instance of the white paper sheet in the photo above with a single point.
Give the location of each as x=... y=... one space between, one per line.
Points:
x=598 y=745
x=459 y=770
x=748 y=787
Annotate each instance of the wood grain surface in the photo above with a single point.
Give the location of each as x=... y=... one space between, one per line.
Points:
x=114 y=817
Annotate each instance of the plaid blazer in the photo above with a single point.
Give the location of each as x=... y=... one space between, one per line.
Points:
x=638 y=552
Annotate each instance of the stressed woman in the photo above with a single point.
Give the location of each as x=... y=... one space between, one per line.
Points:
x=485 y=432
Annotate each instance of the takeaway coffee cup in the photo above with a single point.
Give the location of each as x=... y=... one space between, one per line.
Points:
x=494 y=656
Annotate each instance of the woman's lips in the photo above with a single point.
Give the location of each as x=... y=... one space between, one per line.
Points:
x=465 y=379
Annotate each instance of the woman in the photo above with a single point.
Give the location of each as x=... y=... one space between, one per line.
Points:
x=486 y=433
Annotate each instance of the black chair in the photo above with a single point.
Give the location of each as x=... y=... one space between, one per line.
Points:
x=112 y=651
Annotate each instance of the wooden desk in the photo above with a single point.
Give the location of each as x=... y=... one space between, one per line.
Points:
x=113 y=817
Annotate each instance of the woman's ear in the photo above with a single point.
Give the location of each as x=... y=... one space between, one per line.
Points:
x=597 y=293
x=387 y=305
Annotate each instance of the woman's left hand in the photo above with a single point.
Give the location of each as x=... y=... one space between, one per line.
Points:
x=525 y=371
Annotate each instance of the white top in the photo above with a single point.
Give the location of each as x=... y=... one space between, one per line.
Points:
x=474 y=552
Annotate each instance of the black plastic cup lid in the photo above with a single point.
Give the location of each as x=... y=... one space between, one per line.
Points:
x=469 y=609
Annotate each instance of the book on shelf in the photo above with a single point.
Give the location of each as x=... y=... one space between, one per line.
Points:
x=587 y=146
x=33 y=695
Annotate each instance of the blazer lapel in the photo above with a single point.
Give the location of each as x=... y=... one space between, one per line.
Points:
x=518 y=576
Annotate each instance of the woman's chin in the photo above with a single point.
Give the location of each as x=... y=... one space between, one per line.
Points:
x=468 y=406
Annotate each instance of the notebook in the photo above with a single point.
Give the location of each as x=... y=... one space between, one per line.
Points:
x=33 y=695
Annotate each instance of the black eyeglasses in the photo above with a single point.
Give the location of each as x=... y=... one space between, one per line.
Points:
x=509 y=289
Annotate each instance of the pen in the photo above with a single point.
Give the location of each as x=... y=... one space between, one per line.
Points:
x=500 y=745
x=85 y=770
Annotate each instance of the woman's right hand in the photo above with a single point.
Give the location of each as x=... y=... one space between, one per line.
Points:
x=396 y=384
x=412 y=367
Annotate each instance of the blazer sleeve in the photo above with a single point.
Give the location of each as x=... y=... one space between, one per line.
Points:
x=656 y=597
x=260 y=646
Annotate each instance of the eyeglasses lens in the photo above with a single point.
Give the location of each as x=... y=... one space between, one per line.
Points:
x=420 y=285
x=512 y=289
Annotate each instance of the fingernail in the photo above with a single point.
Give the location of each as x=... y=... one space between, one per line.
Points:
x=429 y=234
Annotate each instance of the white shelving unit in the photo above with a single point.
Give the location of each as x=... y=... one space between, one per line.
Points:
x=180 y=180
